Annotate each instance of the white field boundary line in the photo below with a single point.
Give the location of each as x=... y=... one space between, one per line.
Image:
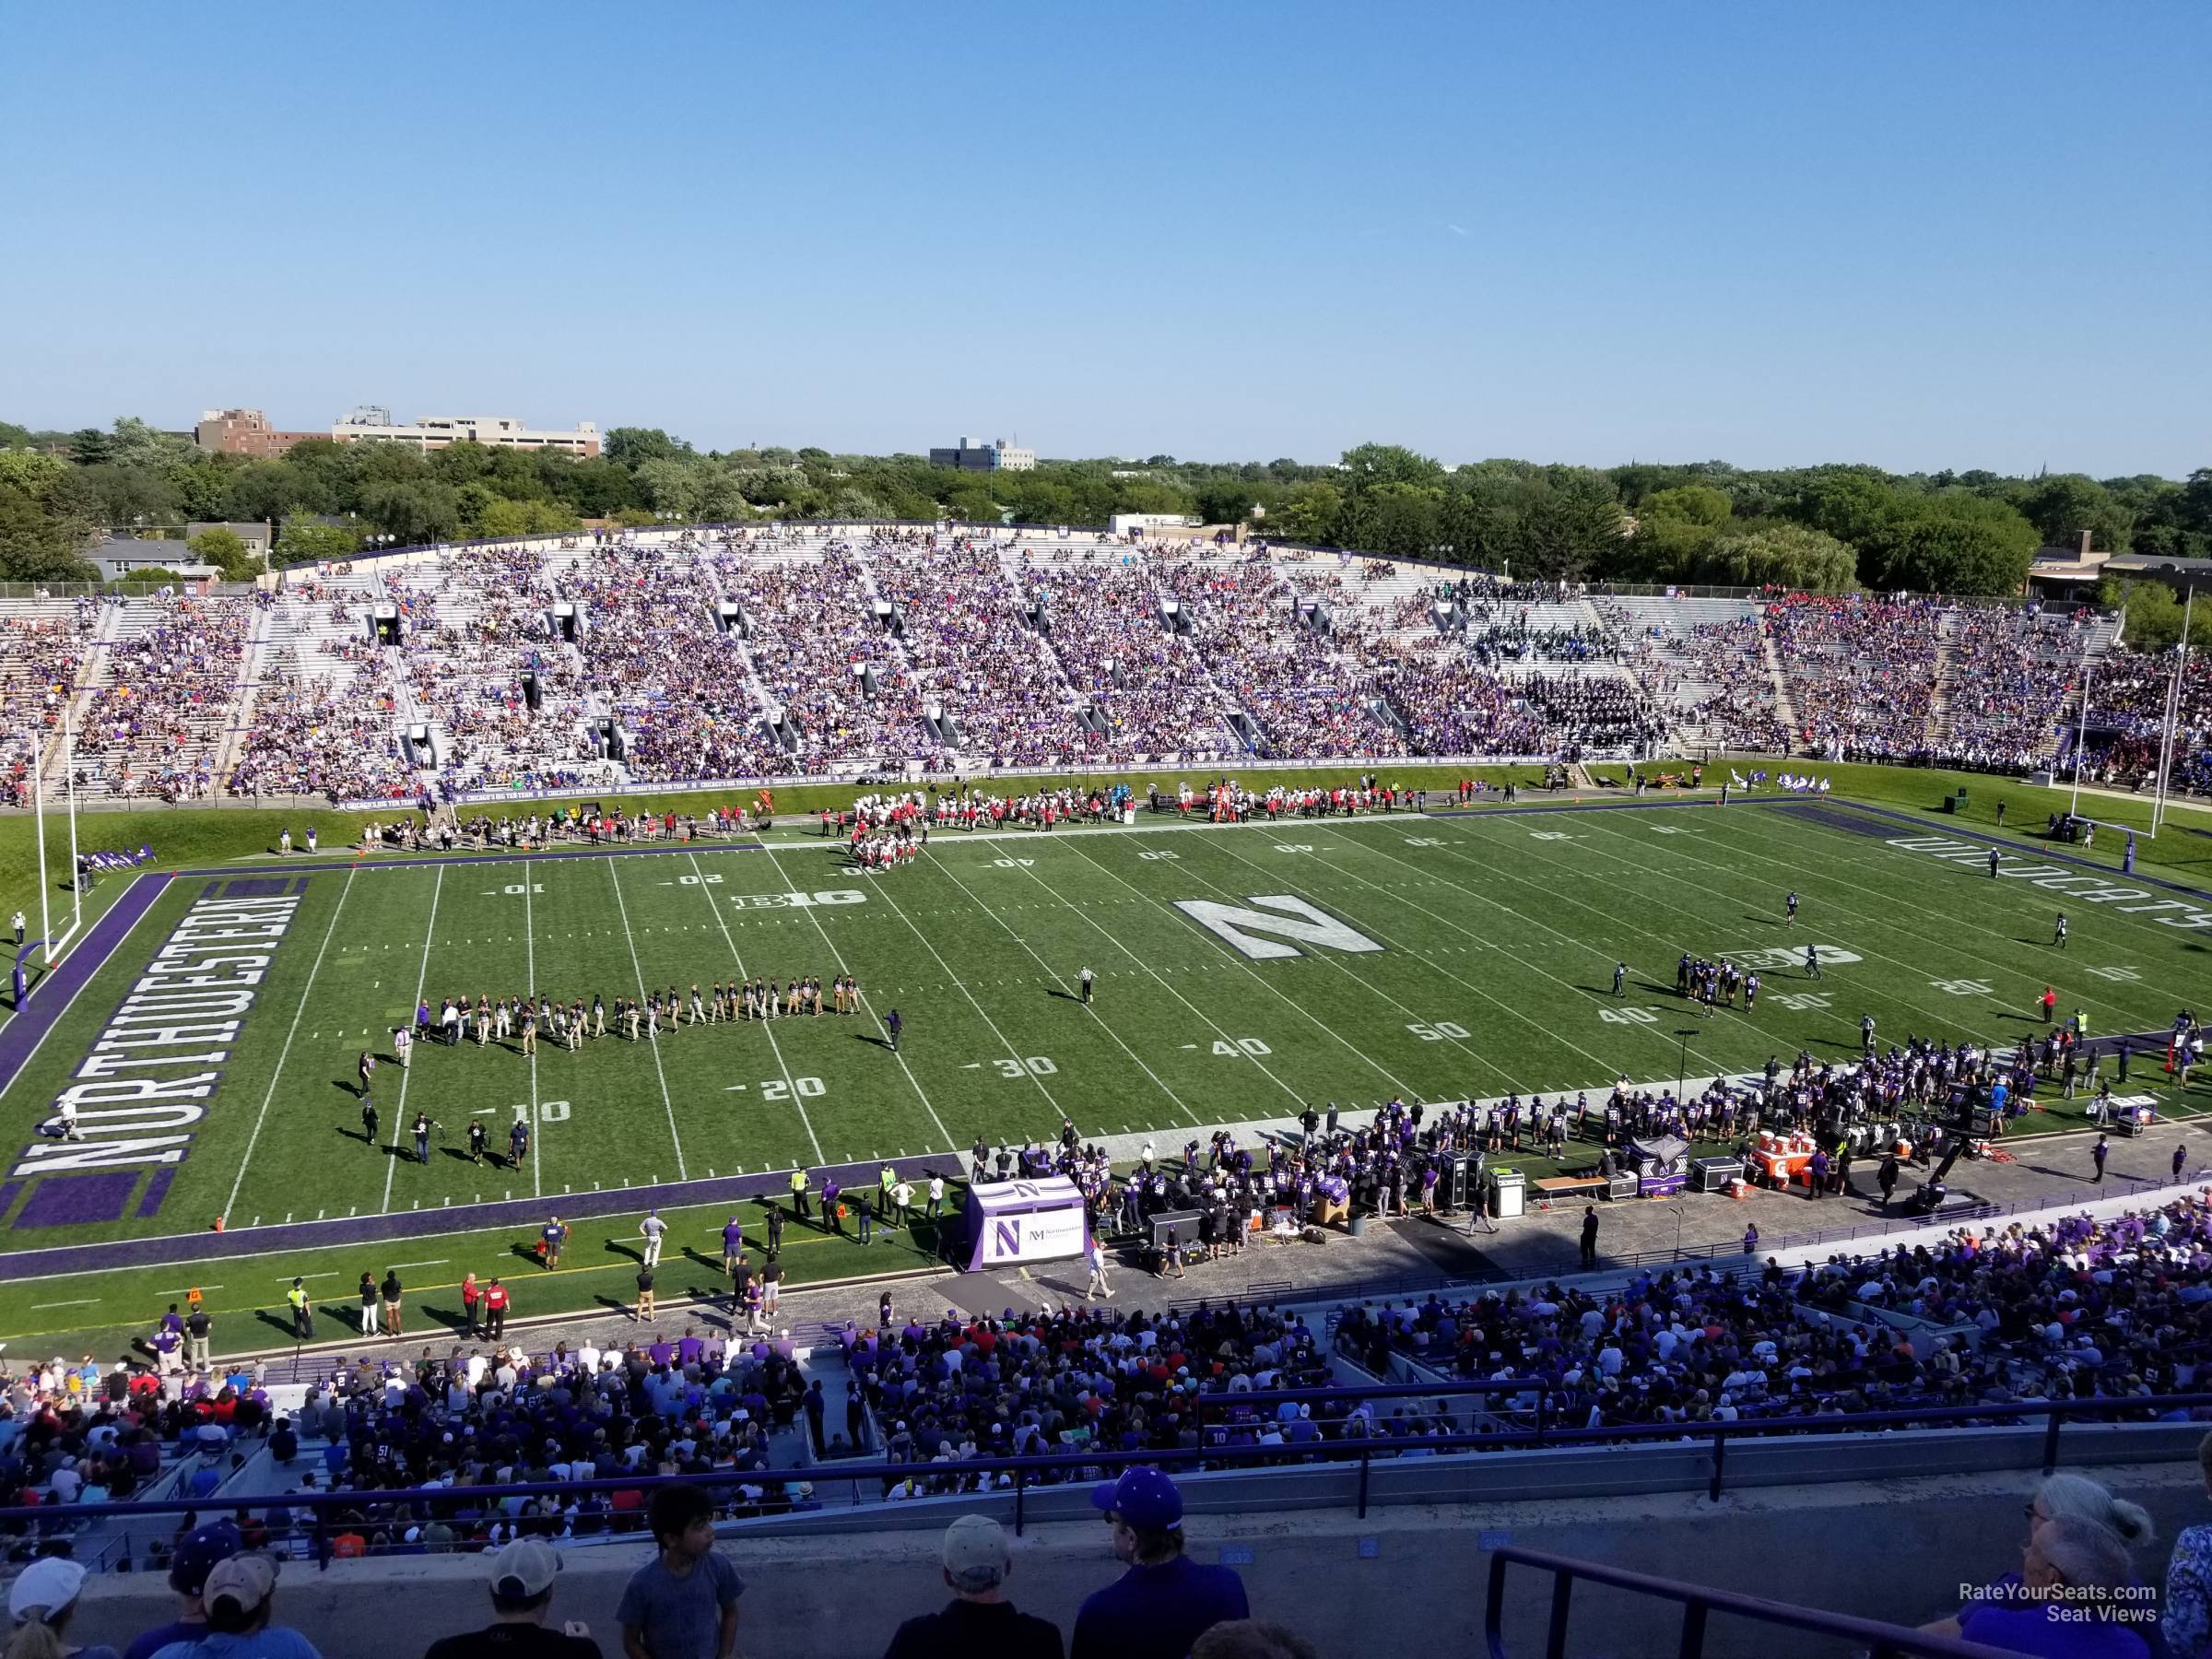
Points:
x=98 y=969
x=422 y=978
x=1874 y=921
x=537 y=1128
x=1103 y=1024
x=276 y=1075
x=1123 y=1148
x=652 y=1042
x=769 y=1026
x=837 y=957
x=1397 y=1083
x=122 y=891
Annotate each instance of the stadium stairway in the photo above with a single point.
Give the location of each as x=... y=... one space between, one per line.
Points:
x=259 y=645
x=1785 y=706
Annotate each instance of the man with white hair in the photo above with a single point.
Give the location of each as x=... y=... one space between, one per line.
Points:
x=979 y=1618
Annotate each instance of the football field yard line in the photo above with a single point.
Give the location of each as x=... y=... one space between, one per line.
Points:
x=537 y=1130
x=675 y=1138
x=1219 y=1031
x=837 y=957
x=1872 y=920
x=1013 y=1053
x=1397 y=1083
x=1911 y=859
x=1529 y=1020
x=284 y=1053
x=1911 y=867
x=1706 y=883
x=767 y=1025
x=1764 y=1036
x=1103 y=1024
x=422 y=978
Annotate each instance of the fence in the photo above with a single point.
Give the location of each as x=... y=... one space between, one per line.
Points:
x=1037 y=1477
x=1698 y=1604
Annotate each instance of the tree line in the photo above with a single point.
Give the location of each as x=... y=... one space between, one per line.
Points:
x=1821 y=528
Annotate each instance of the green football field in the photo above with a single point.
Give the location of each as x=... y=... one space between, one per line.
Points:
x=1242 y=973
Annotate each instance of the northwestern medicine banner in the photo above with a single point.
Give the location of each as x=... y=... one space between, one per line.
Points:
x=153 y=1073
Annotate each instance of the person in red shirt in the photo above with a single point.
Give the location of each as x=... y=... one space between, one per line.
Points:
x=495 y=1309
x=469 y=1295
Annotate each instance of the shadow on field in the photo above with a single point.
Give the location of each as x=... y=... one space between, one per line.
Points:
x=881 y=1043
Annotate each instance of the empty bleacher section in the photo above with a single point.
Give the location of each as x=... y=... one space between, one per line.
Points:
x=808 y=651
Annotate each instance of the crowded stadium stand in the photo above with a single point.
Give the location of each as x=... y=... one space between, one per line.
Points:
x=600 y=660
x=1991 y=1345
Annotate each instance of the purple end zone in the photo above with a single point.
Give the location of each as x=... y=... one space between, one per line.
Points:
x=20 y=1039
x=73 y=1200
x=1837 y=817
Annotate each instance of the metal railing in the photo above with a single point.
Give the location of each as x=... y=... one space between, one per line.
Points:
x=1057 y=1471
x=1699 y=1603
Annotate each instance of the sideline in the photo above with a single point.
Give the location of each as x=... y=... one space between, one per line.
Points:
x=29 y=1028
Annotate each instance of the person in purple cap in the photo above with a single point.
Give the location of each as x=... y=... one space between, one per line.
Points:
x=198 y=1552
x=1165 y=1602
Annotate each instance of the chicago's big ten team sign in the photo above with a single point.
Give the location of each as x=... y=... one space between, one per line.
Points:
x=1262 y=933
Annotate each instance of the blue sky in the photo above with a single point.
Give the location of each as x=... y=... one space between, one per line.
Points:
x=1963 y=235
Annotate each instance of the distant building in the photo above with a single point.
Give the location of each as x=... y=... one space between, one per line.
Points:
x=374 y=424
x=1000 y=456
x=120 y=556
x=244 y=432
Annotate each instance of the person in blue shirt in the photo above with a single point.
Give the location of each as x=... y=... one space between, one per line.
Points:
x=1165 y=1602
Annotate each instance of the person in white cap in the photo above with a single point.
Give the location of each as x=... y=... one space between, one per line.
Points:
x=522 y=1591
x=39 y=1603
x=240 y=1596
x=979 y=1618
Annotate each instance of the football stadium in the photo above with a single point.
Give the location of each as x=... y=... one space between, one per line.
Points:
x=698 y=1045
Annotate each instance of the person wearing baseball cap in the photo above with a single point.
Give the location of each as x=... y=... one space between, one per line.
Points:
x=521 y=1579
x=240 y=1594
x=979 y=1618
x=39 y=1605
x=198 y=1553
x=1166 y=1601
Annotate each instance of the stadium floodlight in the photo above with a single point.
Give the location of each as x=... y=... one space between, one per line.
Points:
x=52 y=943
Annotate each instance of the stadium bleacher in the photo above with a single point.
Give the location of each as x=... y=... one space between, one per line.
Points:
x=798 y=650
